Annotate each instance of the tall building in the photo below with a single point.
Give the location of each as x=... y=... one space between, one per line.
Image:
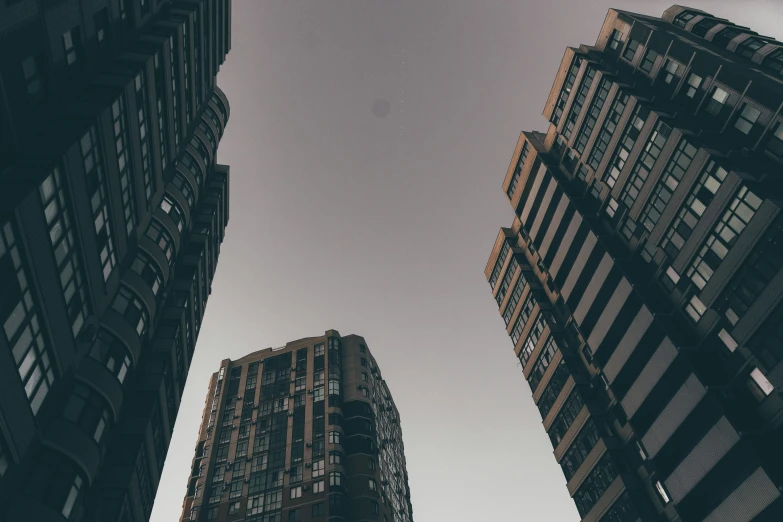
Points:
x=308 y=431
x=641 y=281
x=112 y=213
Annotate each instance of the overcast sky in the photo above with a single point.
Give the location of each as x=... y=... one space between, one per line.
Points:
x=368 y=142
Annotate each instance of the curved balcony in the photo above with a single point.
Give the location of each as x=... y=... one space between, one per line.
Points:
x=222 y=105
x=121 y=328
x=176 y=194
x=165 y=220
x=104 y=382
x=68 y=439
x=133 y=281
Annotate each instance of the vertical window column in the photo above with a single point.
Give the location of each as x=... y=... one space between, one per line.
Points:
x=96 y=189
x=124 y=163
x=142 y=105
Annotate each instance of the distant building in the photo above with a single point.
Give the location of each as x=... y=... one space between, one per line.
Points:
x=304 y=432
x=641 y=280
x=112 y=213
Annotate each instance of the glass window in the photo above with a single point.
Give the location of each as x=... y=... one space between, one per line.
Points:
x=318 y=468
x=335 y=479
x=774 y=61
x=161 y=237
x=71 y=42
x=542 y=363
x=747 y=119
x=648 y=61
x=318 y=510
x=73 y=495
x=775 y=142
x=630 y=49
x=749 y=47
x=703 y=26
x=148 y=270
x=627 y=142
x=565 y=417
x=112 y=353
x=524 y=315
x=697 y=201
x=334 y=437
x=92 y=158
x=725 y=35
x=88 y=410
x=723 y=236
x=295 y=515
x=616 y=39
x=608 y=129
x=512 y=268
x=667 y=184
x=532 y=340
x=670 y=70
x=318 y=349
x=124 y=162
x=578 y=103
x=595 y=485
x=514 y=299
x=142 y=105
x=160 y=92
x=682 y=19
x=716 y=103
x=21 y=327
x=296 y=492
x=184 y=186
x=128 y=305
x=512 y=186
x=565 y=90
x=318 y=487
x=67 y=253
x=501 y=260
x=592 y=115
x=644 y=164
x=623 y=510
x=32 y=79
x=579 y=450
x=694 y=82
x=553 y=389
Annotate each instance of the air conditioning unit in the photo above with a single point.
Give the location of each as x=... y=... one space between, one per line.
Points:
x=309 y=392
x=228 y=465
x=304 y=488
x=239 y=397
x=286 y=470
x=293 y=368
x=290 y=414
x=309 y=444
x=247 y=481
x=307 y=464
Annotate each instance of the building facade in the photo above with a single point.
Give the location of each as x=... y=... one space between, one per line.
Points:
x=641 y=280
x=308 y=431
x=112 y=213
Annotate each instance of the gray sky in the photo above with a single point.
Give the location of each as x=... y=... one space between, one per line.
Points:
x=379 y=224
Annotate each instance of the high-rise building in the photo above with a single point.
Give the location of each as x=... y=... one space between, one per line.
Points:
x=112 y=213
x=308 y=431
x=641 y=280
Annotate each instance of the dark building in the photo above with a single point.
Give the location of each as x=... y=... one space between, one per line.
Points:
x=112 y=213
x=308 y=431
x=641 y=280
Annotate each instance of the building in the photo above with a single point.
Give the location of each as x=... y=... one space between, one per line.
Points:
x=641 y=281
x=112 y=213
x=308 y=431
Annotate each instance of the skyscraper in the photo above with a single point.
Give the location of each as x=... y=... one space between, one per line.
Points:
x=112 y=212
x=640 y=281
x=308 y=431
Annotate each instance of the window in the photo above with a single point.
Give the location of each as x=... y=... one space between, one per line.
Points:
x=612 y=206
x=670 y=70
x=716 y=103
x=372 y=485
x=318 y=349
x=128 y=305
x=703 y=26
x=542 y=363
x=553 y=389
x=749 y=47
x=236 y=488
x=318 y=487
x=623 y=510
x=334 y=387
x=565 y=417
x=375 y=508
x=506 y=283
x=295 y=515
x=32 y=79
x=296 y=492
x=363 y=361
x=627 y=142
x=592 y=115
x=318 y=509
x=160 y=90
x=607 y=130
x=18 y=310
x=242 y=448
x=184 y=186
x=682 y=19
x=174 y=61
x=595 y=485
x=160 y=236
x=143 y=477
x=73 y=495
x=318 y=394
x=697 y=201
x=565 y=90
x=616 y=39
x=124 y=163
x=171 y=207
x=723 y=236
x=581 y=446
x=667 y=184
x=664 y=496
x=318 y=468
x=71 y=42
x=148 y=270
x=234 y=507
x=694 y=82
x=578 y=103
x=88 y=410
x=775 y=143
x=334 y=437
x=112 y=353
x=96 y=189
x=644 y=164
x=142 y=105
x=335 y=479
x=512 y=186
x=532 y=340
x=648 y=61
x=630 y=49
x=524 y=315
x=747 y=119
x=774 y=61
x=499 y=264
x=364 y=376
x=59 y=220
x=102 y=27
x=371 y=464
x=725 y=36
